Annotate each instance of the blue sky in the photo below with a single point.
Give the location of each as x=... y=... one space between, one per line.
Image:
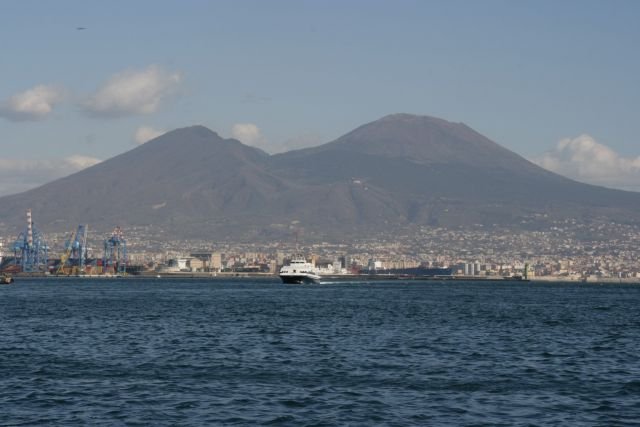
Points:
x=555 y=81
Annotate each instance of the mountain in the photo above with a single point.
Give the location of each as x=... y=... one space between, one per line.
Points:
x=442 y=173
x=179 y=180
x=399 y=171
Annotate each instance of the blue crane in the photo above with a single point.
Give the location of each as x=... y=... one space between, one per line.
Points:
x=30 y=249
x=75 y=251
x=115 y=253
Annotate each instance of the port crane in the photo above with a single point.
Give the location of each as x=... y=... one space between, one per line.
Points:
x=75 y=250
x=30 y=249
x=115 y=253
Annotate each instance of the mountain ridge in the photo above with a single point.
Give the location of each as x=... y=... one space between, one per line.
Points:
x=399 y=171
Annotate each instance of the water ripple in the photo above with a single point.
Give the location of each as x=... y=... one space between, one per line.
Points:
x=136 y=352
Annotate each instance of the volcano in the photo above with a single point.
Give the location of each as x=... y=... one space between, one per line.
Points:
x=399 y=171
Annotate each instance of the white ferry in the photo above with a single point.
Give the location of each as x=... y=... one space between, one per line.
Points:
x=299 y=271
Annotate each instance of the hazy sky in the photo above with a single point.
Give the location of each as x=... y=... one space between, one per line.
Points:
x=555 y=81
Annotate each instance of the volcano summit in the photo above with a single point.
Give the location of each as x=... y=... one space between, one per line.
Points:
x=399 y=171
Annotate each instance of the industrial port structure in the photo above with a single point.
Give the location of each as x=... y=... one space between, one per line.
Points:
x=31 y=253
x=30 y=250
x=114 y=260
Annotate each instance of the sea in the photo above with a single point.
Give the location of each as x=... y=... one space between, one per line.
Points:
x=247 y=352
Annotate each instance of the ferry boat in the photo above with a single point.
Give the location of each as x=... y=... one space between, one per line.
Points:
x=299 y=271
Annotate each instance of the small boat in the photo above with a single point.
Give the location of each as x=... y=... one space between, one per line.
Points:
x=6 y=279
x=299 y=271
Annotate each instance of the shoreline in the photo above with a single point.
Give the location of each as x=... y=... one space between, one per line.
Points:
x=340 y=278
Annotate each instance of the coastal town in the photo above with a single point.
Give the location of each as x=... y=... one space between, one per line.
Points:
x=568 y=250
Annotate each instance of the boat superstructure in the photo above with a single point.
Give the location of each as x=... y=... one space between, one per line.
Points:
x=299 y=271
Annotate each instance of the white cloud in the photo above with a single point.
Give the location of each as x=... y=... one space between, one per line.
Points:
x=133 y=92
x=584 y=159
x=298 y=142
x=20 y=175
x=33 y=104
x=146 y=133
x=78 y=162
x=249 y=134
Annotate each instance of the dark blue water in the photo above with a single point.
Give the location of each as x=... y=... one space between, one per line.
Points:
x=195 y=352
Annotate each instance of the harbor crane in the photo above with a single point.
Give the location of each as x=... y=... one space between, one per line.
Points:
x=75 y=252
x=30 y=249
x=115 y=253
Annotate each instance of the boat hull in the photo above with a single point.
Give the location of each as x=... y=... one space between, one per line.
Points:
x=298 y=279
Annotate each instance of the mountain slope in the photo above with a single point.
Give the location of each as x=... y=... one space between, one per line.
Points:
x=401 y=170
x=186 y=176
x=445 y=173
